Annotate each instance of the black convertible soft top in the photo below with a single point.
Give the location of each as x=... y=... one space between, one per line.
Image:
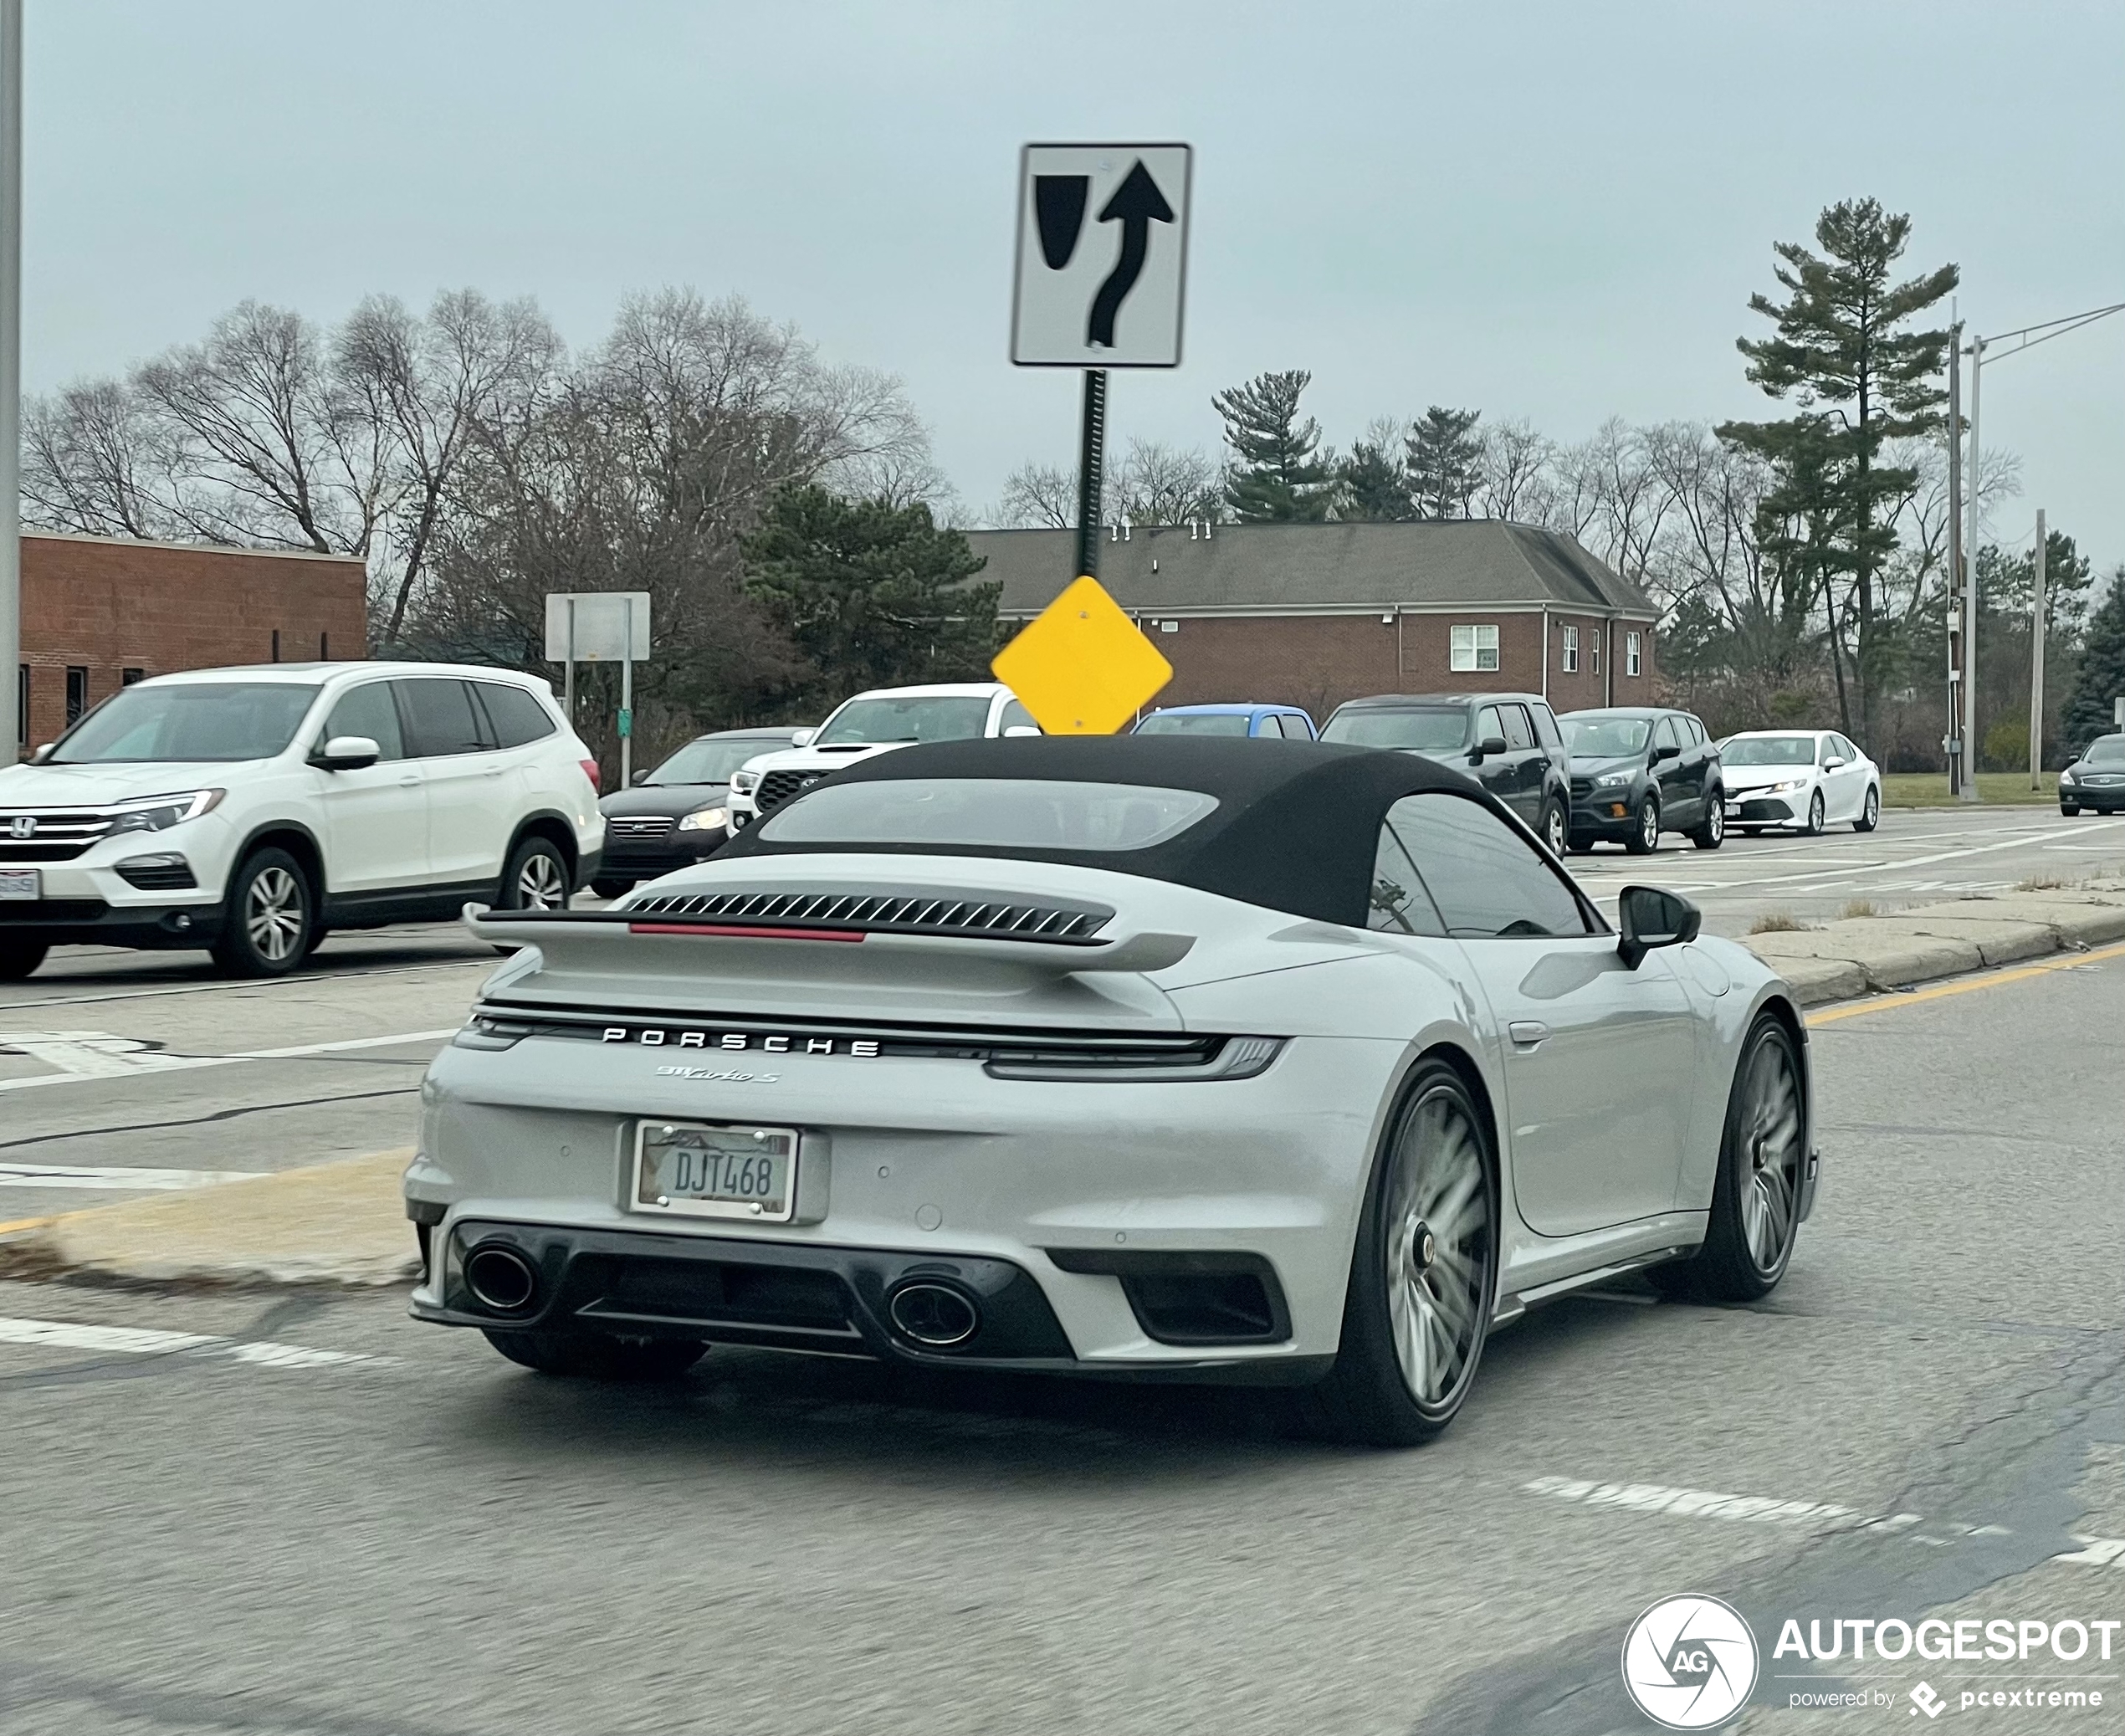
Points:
x=1297 y=826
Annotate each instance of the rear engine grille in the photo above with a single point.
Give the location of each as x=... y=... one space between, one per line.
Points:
x=777 y=787
x=979 y=916
x=55 y=836
x=637 y=832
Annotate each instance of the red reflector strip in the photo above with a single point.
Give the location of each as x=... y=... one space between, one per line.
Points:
x=743 y=933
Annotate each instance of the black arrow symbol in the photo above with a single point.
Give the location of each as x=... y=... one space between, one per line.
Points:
x=1137 y=204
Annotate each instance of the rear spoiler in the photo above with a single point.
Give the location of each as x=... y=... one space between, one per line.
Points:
x=1053 y=955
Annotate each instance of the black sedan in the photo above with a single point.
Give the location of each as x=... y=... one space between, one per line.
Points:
x=2095 y=780
x=674 y=816
x=1639 y=771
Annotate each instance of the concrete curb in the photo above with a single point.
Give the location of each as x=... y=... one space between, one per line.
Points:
x=338 y=1224
x=1875 y=954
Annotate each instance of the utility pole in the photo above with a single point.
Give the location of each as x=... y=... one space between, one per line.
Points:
x=2036 y=664
x=16 y=727
x=1976 y=491
x=1955 y=743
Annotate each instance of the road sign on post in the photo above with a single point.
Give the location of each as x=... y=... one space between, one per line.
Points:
x=1102 y=253
x=1080 y=666
x=600 y=626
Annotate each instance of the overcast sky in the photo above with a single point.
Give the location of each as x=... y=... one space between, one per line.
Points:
x=1550 y=210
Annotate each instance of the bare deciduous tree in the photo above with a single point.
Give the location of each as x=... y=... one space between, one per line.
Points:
x=1037 y=497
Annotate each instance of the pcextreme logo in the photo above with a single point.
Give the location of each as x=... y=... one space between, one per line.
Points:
x=1689 y=1663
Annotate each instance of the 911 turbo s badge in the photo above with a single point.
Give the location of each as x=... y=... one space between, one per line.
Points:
x=723 y=1076
x=653 y=1035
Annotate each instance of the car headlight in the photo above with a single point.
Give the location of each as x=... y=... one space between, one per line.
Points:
x=157 y=813
x=704 y=819
x=742 y=784
x=1791 y=783
x=2066 y=776
x=1613 y=779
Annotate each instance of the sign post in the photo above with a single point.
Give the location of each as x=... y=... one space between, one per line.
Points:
x=1100 y=283
x=596 y=627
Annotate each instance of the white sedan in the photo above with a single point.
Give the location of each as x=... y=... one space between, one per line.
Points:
x=1059 y=1055
x=1808 y=779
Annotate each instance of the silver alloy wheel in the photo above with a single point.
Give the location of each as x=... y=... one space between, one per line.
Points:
x=1553 y=832
x=1871 y=813
x=1770 y=1158
x=1715 y=819
x=539 y=884
x=273 y=914
x=1649 y=824
x=1436 y=1208
x=1815 y=815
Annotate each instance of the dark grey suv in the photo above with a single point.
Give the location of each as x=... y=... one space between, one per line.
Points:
x=1639 y=771
x=1509 y=743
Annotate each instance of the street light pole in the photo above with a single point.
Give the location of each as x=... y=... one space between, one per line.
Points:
x=1976 y=492
x=16 y=728
x=2036 y=662
x=1956 y=744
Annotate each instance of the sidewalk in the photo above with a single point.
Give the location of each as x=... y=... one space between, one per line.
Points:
x=342 y=1223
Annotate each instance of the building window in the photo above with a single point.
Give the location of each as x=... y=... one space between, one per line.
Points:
x=126 y=678
x=22 y=706
x=1593 y=644
x=1571 y=651
x=1473 y=648
x=77 y=692
x=1631 y=653
x=276 y=644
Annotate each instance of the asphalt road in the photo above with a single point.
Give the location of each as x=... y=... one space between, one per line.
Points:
x=386 y=1530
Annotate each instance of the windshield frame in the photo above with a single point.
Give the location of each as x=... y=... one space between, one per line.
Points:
x=1197 y=722
x=998 y=800
x=2115 y=754
x=826 y=738
x=99 y=717
x=755 y=746
x=1752 y=762
x=1571 y=726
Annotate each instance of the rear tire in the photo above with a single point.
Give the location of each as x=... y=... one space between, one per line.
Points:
x=611 y=888
x=1870 y=813
x=1553 y=829
x=1762 y=1169
x=1423 y=1272
x=599 y=1355
x=1713 y=832
x=536 y=878
x=1645 y=833
x=2073 y=812
x=19 y=959
x=269 y=918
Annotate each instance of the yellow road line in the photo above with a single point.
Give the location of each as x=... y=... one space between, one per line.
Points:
x=23 y=1223
x=1964 y=985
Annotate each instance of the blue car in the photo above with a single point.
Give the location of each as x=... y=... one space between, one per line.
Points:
x=1277 y=722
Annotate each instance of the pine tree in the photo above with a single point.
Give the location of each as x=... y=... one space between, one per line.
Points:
x=1374 y=485
x=875 y=594
x=1445 y=463
x=1860 y=379
x=1275 y=476
x=2090 y=711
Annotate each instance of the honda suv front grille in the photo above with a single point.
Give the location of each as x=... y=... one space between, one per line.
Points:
x=51 y=837
x=976 y=915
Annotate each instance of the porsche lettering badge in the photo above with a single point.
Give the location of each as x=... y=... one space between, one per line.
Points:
x=657 y=1035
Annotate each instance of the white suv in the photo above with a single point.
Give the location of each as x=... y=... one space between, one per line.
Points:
x=875 y=723
x=252 y=810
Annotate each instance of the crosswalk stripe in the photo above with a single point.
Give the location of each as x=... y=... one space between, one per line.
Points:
x=142 y=1341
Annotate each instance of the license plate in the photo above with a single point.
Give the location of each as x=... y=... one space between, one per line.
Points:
x=21 y=884
x=1733 y=811
x=699 y=1170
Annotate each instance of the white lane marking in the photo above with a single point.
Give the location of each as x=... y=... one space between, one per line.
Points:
x=115 y=1175
x=1818 y=1516
x=88 y=1054
x=182 y=1064
x=251 y=986
x=138 y=1341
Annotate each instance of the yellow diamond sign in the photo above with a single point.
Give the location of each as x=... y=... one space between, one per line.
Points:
x=1080 y=666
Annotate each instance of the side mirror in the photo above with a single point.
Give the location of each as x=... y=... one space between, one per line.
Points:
x=1650 y=918
x=1021 y=730
x=1834 y=763
x=638 y=777
x=43 y=753
x=1666 y=752
x=346 y=753
x=1484 y=748
x=803 y=738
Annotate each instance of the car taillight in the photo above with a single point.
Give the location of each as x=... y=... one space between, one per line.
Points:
x=590 y=771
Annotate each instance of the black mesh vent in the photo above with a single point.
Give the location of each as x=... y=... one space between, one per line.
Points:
x=777 y=787
x=974 y=914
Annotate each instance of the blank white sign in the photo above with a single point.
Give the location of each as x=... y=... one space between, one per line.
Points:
x=600 y=627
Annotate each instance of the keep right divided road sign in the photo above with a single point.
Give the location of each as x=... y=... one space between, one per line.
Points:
x=1102 y=251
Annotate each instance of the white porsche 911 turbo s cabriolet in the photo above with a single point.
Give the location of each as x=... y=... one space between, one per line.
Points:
x=1159 y=1058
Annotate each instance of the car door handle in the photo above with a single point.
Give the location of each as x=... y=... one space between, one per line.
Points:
x=409 y=783
x=1526 y=1033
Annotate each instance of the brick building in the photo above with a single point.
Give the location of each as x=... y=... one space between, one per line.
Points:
x=1313 y=615
x=99 y=613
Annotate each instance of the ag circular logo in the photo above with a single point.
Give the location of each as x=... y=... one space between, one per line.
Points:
x=1689 y=1663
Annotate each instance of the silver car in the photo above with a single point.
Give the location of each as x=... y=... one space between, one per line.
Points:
x=1167 y=1058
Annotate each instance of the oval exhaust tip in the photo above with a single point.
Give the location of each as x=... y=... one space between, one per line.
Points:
x=501 y=1278
x=936 y=1316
